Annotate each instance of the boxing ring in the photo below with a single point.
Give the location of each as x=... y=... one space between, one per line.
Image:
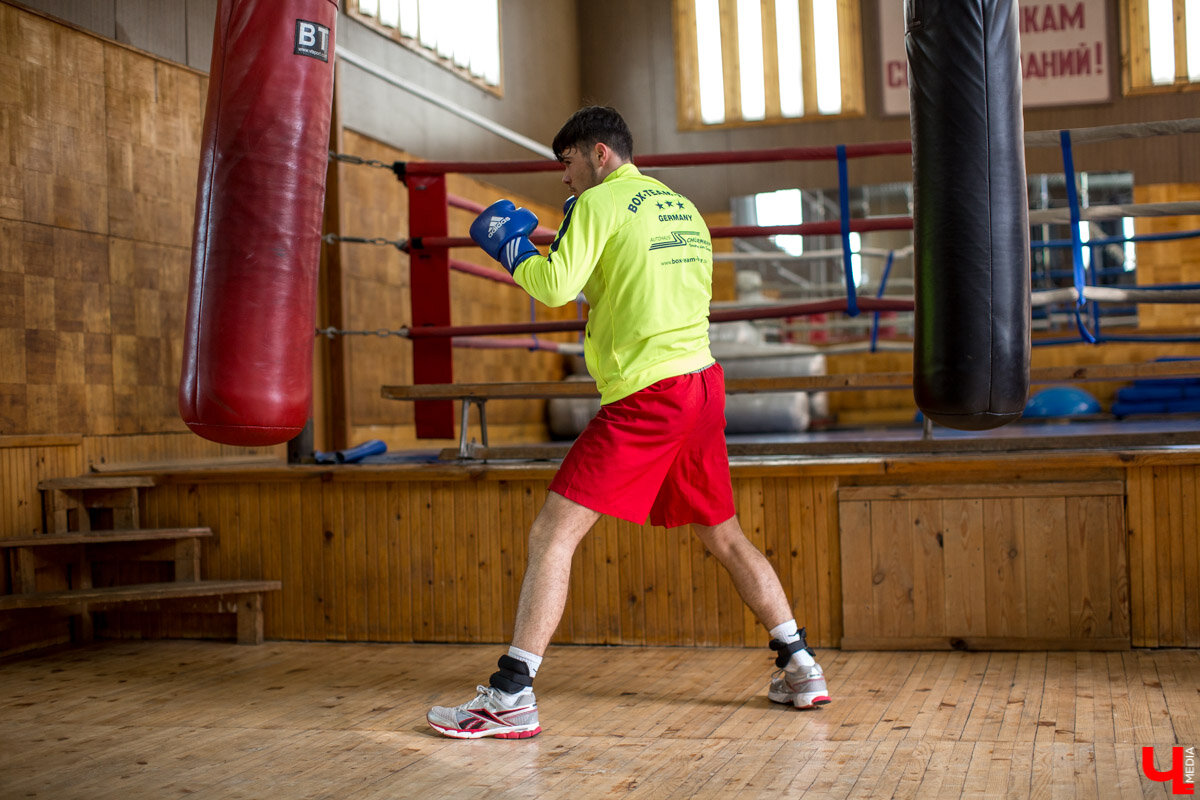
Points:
x=971 y=537
x=432 y=332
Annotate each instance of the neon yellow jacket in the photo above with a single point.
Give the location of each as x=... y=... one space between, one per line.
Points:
x=642 y=256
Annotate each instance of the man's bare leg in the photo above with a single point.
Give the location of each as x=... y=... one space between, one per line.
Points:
x=752 y=574
x=559 y=528
x=802 y=684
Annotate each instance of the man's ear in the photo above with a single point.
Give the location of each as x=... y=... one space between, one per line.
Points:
x=603 y=153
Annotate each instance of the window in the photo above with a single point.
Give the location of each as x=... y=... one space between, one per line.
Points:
x=1161 y=40
x=766 y=61
x=433 y=28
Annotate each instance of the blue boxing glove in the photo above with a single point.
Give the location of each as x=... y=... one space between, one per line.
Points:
x=502 y=230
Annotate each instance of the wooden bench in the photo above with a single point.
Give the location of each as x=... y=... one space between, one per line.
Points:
x=480 y=393
x=82 y=548
x=242 y=597
x=56 y=571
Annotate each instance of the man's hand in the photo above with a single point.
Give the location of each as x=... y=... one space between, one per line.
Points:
x=502 y=230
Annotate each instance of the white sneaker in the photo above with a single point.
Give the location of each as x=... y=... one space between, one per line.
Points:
x=804 y=689
x=491 y=713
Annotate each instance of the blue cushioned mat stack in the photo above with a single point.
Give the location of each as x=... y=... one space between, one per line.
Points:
x=1159 y=396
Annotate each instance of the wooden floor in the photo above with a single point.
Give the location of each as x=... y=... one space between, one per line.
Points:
x=295 y=720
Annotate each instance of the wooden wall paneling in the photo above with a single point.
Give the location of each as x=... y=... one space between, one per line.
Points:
x=63 y=109
x=446 y=547
x=491 y=520
x=1189 y=524
x=21 y=468
x=681 y=542
x=679 y=585
x=892 y=559
x=420 y=559
x=928 y=600
x=507 y=531
x=829 y=574
x=321 y=593
x=1118 y=557
x=308 y=615
x=284 y=524
x=268 y=521
x=857 y=569
x=649 y=543
x=358 y=542
x=393 y=591
x=379 y=547
x=1143 y=566
x=363 y=545
x=1005 y=582
x=658 y=601
x=1163 y=555
x=608 y=591
x=474 y=577
x=1175 y=515
x=964 y=561
x=463 y=564
x=249 y=500
x=445 y=592
x=633 y=583
x=1047 y=559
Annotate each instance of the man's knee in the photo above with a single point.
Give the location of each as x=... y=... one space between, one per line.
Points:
x=720 y=538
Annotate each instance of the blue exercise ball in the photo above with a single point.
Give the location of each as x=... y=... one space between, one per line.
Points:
x=1061 y=401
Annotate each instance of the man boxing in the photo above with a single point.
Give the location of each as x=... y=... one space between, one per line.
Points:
x=642 y=256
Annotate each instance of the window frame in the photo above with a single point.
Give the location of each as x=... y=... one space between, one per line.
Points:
x=1135 y=51
x=687 y=78
x=414 y=45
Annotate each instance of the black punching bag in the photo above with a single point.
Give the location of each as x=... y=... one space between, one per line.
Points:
x=970 y=216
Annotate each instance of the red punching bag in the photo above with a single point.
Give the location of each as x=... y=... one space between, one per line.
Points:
x=248 y=346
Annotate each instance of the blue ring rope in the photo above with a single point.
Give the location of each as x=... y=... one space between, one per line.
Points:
x=1064 y=138
x=887 y=271
x=844 y=204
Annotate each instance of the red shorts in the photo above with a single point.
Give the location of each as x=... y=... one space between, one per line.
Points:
x=659 y=452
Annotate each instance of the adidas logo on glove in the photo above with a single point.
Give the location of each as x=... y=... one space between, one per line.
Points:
x=495 y=224
x=502 y=230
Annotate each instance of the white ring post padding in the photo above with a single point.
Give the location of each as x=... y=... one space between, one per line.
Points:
x=1114 y=294
x=1062 y=216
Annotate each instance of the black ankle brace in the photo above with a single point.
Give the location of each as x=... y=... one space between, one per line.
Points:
x=513 y=675
x=786 y=650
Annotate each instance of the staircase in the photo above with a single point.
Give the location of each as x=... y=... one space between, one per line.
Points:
x=93 y=539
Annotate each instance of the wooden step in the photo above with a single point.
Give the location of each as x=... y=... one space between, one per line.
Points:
x=248 y=595
x=69 y=502
x=100 y=595
x=100 y=537
x=79 y=482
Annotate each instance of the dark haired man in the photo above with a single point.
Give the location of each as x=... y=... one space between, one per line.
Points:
x=642 y=256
